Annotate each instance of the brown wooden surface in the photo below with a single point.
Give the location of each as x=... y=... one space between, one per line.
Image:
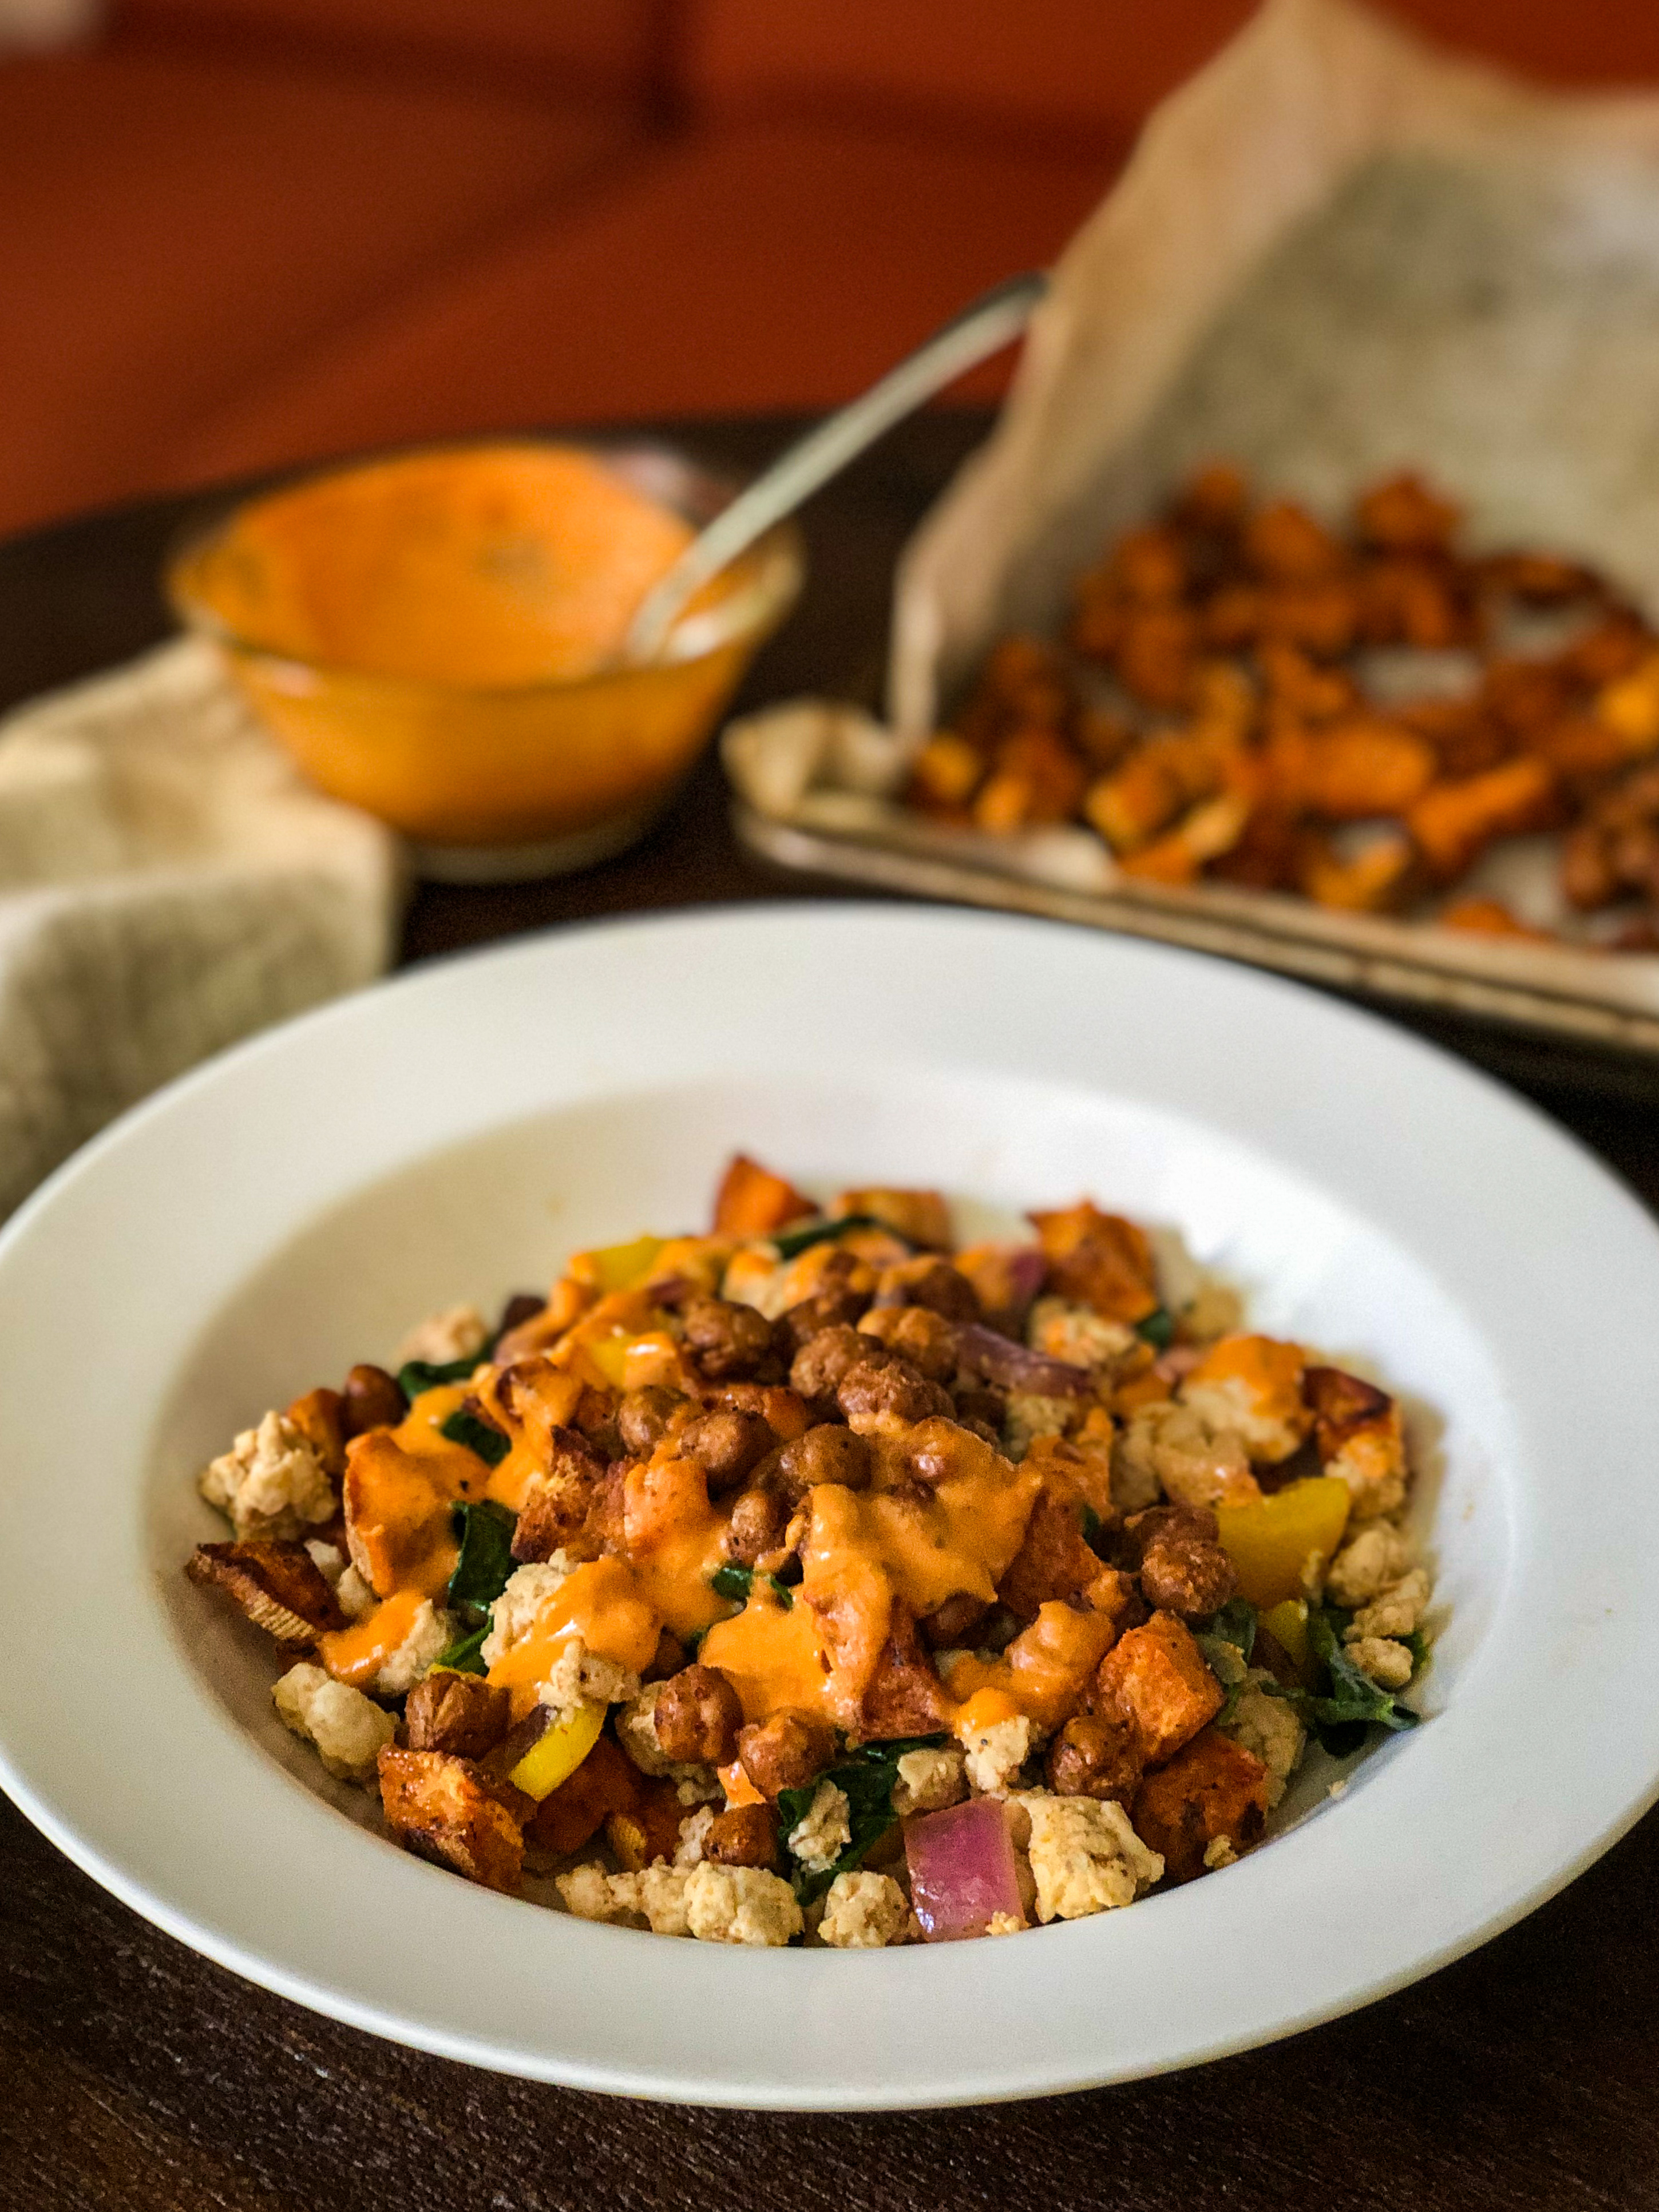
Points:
x=133 y=2073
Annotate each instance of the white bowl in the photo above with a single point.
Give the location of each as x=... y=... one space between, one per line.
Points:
x=289 y=1208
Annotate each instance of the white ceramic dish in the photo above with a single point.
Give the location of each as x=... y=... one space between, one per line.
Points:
x=289 y=1207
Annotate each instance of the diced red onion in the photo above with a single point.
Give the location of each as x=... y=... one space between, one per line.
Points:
x=1017 y=1367
x=962 y=1869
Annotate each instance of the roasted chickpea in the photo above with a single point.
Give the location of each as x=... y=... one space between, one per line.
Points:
x=868 y=1394
x=760 y=1521
x=822 y=1361
x=1183 y=1568
x=726 y=1339
x=371 y=1400
x=828 y=1453
x=925 y=1281
x=785 y=1751
x=522 y=1306
x=1095 y=1755
x=726 y=1445
x=917 y=1333
x=697 y=1717
x=836 y=1306
x=743 y=1835
x=643 y=1416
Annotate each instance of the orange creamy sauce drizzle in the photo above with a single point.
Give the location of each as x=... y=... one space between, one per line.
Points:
x=485 y=565
x=817 y=1653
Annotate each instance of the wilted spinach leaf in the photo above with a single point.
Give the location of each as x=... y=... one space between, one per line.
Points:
x=790 y=1243
x=1158 y=1329
x=737 y=1582
x=465 y=1655
x=491 y=1444
x=417 y=1375
x=486 y=1561
x=1354 y=1702
x=868 y=1776
x=1226 y=1640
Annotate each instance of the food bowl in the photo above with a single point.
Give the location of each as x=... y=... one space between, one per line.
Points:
x=486 y=1115
x=397 y=624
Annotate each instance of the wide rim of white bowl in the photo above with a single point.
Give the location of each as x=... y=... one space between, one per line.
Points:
x=109 y=1742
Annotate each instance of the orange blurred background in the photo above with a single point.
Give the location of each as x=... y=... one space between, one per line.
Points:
x=238 y=232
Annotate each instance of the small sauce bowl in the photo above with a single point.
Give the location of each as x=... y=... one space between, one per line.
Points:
x=433 y=635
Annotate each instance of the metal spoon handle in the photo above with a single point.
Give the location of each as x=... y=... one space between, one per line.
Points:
x=992 y=322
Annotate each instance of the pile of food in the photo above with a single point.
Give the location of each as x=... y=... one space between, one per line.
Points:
x=815 y=1579
x=1244 y=695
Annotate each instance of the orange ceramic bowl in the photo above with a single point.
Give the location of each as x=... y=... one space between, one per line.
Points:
x=428 y=634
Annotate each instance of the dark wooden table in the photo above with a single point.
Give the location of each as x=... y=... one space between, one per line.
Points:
x=133 y=2073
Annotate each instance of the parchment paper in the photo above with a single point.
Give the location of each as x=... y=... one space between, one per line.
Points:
x=1336 y=253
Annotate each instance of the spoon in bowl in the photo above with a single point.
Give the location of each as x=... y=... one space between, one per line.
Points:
x=992 y=322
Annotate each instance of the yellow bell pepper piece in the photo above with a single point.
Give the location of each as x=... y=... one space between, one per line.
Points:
x=558 y=1752
x=1271 y=1540
x=1287 y=1624
x=616 y=1267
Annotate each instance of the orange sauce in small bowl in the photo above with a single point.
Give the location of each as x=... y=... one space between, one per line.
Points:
x=434 y=635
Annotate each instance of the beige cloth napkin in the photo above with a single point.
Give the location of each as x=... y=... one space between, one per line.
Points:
x=168 y=884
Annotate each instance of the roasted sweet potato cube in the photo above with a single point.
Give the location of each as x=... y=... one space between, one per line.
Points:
x=1156 y=655
x=1490 y=917
x=1100 y=1260
x=905 y=1696
x=1404 y=515
x=1341 y=1403
x=921 y=1217
x=458 y=1713
x=1155 y=1677
x=1454 y=823
x=559 y=1506
x=1365 y=767
x=278 y=1586
x=606 y=1782
x=319 y=1417
x=1371 y=881
x=443 y=1808
x=1212 y=1788
x=648 y=1829
x=946 y=771
x=1053 y=1560
x=752 y=1201
x=1283 y=543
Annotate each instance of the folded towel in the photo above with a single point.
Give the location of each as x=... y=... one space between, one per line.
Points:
x=168 y=882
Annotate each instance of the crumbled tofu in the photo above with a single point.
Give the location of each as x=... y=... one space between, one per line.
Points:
x=1214 y=1309
x=590 y=1894
x=580 y=1677
x=1176 y=1450
x=656 y=1895
x=1004 y=1923
x=352 y=1594
x=1388 y=1664
x=864 y=1913
x=1366 y=1564
x=1396 y=1612
x=1076 y=1333
x=1029 y=1416
x=349 y=1729
x=457 y=1332
x=354 y=1597
x=1084 y=1856
x=819 y=1839
x=694 y=1836
x=928 y=1781
x=995 y=1754
x=740 y=1904
x=431 y=1632
x=270 y=1482
x=1267 y=1725
x=1233 y=1404
x=512 y=1616
x=1219 y=1852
